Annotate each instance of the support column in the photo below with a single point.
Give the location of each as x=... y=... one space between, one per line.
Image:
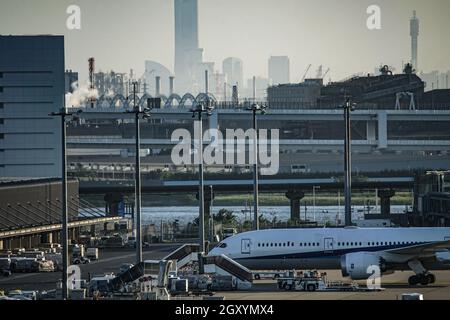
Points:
x=208 y=197
x=371 y=130
x=382 y=130
x=385 y=200
x=47 y=237
x=113 y=201
x=295 y=196
x=1 y=244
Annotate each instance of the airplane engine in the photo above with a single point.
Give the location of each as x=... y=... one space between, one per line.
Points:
x=355 y=265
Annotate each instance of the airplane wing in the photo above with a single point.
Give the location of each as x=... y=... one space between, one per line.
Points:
x=422 y=249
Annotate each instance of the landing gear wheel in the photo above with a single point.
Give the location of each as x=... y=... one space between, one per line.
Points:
x=413 y=280
x=431 y=278
x=424 y=280
x=311 y=287
x=257 y=277
x=289 y=287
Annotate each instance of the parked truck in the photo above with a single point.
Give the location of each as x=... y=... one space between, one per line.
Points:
x=92 y=253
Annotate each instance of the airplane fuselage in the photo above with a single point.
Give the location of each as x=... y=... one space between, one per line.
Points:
x=323 y=248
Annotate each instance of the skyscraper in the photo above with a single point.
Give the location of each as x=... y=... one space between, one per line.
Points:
x=233 y=70
x=188 y=56
x=414 y=31
x=279 y=70
x=31 y=87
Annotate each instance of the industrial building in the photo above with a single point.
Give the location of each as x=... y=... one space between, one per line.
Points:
x=386 y=91
x=32 y=82
x=70 y=81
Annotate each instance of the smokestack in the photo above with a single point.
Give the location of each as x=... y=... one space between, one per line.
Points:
x=254 y=88
x=158 y=86
x=206 y=81
x=91 y=78
x=171 y=80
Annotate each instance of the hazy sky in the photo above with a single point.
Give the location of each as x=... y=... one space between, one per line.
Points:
x=121 y=34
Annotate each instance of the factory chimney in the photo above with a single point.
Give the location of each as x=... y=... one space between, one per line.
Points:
x=157 y=86
x=171 y=79
x=91 y=79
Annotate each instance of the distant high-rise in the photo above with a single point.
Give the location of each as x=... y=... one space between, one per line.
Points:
x=279 y=70
x=32 y=84
x=233 y=70
x=414 y=32
x=188 y=55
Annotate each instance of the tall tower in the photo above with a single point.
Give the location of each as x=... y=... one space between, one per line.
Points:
x=414 y=32
x=187 y=53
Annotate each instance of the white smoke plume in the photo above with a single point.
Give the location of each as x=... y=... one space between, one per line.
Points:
x=81 y=95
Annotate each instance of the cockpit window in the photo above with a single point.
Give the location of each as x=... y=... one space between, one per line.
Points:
x=222 y=245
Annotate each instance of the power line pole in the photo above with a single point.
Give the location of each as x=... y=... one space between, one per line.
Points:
x=64 y=219
x=138 y=217
x=199 y=110
x=255 y=108
x=348 y=107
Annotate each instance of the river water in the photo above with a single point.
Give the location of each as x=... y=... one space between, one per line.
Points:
x=322 y=214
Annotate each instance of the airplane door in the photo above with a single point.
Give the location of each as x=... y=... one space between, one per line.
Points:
x=328 y=244
x=245 y=246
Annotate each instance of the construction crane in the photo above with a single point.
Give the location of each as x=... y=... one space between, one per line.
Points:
x=306 y=72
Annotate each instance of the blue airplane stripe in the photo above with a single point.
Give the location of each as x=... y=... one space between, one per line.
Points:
x=331 y=253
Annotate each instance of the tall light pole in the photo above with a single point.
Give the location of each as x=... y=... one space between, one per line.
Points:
x=211 y=217
x=146 y=114
x=314 y=201
x=199 y=110
x=64 y=220
x=348 y=107
x=256 y=108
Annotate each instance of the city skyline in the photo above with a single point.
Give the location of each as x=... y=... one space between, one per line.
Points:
x=312 y=40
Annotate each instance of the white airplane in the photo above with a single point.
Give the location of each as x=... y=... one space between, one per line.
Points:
x=352 y=250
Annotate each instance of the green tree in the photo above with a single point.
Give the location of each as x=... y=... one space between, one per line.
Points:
x=226 y=217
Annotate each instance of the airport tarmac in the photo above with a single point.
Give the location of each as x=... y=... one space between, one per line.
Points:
x=111 y=259
x=394 y=286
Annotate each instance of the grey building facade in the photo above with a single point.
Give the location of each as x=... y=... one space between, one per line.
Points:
x=279 y=70
x=32 y=85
